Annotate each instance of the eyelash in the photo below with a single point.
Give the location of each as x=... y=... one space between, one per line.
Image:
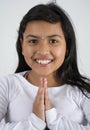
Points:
x=53 y=41
x=35 y=41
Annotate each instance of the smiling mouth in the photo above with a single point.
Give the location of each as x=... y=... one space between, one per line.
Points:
x=43 y=62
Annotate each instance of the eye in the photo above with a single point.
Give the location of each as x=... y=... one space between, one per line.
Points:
x=53 y=41
x=33 y=41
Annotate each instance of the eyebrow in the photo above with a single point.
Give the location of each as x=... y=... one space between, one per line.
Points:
x=35 y=36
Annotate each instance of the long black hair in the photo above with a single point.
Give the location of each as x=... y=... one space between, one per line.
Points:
x=68 y=72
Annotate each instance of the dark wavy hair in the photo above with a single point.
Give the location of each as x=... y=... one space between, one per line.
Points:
x=68 y=72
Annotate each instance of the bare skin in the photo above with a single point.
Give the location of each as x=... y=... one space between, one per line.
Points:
x=44 y=50
x=42 y=101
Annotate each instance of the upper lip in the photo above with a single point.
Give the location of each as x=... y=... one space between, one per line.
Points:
x=42 y=58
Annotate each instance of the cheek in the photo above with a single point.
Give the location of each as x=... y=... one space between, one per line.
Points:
x=26 y=52
x=60 y=53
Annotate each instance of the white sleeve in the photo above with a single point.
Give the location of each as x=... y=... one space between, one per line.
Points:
x=58 y=122
x=33 y=123
x=86 y=107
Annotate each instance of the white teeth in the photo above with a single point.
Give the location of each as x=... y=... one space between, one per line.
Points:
x=43 y=61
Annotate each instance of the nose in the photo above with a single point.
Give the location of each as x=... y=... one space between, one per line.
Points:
x=43 y=48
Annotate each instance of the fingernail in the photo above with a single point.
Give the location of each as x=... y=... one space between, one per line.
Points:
x=45 y=80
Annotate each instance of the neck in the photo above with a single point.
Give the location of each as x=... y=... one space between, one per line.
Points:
x=35 y=79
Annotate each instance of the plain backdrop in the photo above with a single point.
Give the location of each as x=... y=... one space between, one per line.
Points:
x=11 y=13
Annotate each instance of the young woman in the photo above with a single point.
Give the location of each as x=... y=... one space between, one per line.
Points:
x=47 y=91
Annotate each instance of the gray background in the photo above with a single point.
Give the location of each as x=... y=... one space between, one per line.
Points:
x=11 y=13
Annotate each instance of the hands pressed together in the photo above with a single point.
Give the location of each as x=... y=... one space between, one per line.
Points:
x=42 y=101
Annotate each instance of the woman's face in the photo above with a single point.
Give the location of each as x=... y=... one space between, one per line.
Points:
x=43 y=47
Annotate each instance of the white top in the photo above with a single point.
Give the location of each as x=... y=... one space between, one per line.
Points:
x=71 y=112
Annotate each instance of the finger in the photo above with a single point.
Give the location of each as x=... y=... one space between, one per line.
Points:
x=40 y=90
x=43 y=82
x=43 y=86
x=48 y=104
x=46 y=95
x=40 y=93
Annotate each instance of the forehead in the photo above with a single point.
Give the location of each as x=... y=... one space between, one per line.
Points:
x=43 y=28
